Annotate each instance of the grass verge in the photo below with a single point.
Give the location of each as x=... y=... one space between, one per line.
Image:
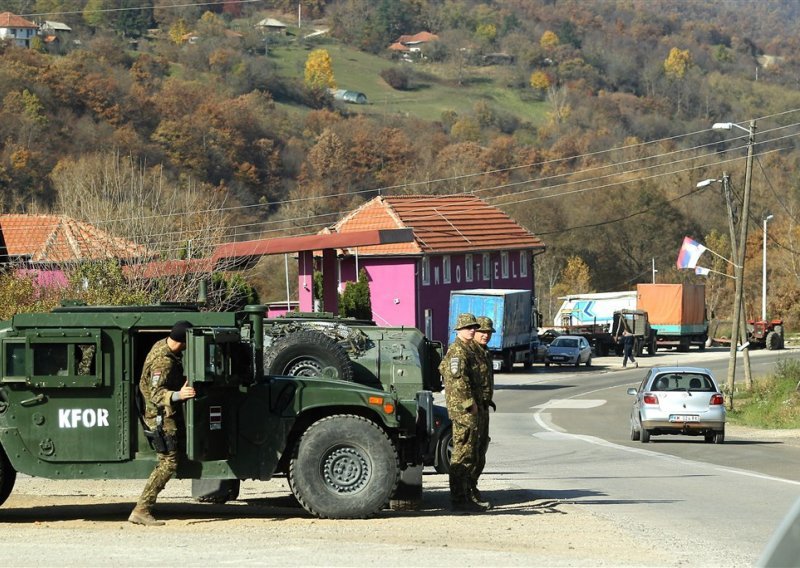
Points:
x=774 y=402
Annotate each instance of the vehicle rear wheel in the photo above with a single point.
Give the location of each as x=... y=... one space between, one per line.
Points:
x=589 y=361
x=308 y=353
x=444 y=449
x=644 y=436
x=345 y=467
x=8 y=475
x=634 y=433
x=773 y=340
x=719 y=437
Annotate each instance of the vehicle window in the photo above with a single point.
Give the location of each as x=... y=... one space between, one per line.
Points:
x=661 y=383
x=15 y=359
x=565 y=342
x=49 y=359
x=63 y=359
x=684 y=382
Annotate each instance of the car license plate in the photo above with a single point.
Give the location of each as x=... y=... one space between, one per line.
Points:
x=557 y=358
x=684 y=418
x=497 y=365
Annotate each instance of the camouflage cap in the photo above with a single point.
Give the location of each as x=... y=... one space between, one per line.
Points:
x=466 y=320
x=486 y=324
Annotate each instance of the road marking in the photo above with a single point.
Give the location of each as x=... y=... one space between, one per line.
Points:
x=570 y=403
x=552 y=432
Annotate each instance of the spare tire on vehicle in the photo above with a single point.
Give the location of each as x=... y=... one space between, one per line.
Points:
x=308 y=353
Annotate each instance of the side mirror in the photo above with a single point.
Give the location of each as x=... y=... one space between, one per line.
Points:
x=632 y=391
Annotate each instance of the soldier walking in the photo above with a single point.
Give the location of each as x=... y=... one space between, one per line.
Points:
x=164 y=389
x=464 y=397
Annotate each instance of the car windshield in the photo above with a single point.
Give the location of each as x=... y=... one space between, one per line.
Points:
x=565 y=342
x=683 y=381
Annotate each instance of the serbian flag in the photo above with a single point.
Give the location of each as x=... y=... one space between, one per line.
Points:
x=690 y=253
x=702 y=271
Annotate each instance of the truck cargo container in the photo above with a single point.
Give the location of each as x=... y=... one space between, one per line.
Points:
x=677 y=312
x=515 y=339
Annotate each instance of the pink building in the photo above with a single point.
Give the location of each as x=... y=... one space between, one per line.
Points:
x=459 y=242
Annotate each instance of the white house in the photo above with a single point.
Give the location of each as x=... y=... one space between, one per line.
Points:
x=17 y=29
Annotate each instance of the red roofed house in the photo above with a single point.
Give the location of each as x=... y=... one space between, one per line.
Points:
x=459 y=242
x=46 y=242
x=17 y=28
x=412 y=43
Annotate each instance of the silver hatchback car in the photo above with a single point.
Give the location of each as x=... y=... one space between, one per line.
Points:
x=569 y=350
x=678 y=400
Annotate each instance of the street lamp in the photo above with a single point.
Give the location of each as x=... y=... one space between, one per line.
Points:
x=739 y=264
x=764 y=272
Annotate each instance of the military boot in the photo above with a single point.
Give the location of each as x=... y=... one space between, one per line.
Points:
x=144 y=517
x=475 y=497
x=468 y=506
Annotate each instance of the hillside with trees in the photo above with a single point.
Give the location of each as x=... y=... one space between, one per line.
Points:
x=588 y=122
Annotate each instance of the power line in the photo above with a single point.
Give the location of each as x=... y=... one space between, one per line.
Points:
x=140 y=8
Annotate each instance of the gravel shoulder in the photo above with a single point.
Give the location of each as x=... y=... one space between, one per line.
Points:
x=82 y=523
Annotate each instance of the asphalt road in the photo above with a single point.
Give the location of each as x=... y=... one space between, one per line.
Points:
x=569 y=428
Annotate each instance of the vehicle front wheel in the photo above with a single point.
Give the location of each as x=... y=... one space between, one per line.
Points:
x=345 y=467
x=444 y=449
x=8 y=475
x=644 y=436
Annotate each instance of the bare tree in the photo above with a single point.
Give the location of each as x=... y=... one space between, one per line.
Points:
x=164 y=232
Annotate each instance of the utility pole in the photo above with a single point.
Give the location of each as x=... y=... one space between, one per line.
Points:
x=739 y=263
x=726 y=188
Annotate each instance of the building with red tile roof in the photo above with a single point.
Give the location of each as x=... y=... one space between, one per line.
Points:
x=459 y=242
x=42 y=240
x=17 y=28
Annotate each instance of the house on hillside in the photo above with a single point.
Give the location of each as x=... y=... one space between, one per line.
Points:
x=459 y=242
x=17 y=29
x=43 y=244
x=411 y=45
x=273 y=26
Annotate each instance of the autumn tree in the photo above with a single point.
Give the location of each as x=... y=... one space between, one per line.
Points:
x=575 y=278
x=319 y=70
x=549 y=40
x=677 y=63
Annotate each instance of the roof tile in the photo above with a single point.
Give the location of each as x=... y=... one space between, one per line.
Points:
x=454 y=223
x=57 y=238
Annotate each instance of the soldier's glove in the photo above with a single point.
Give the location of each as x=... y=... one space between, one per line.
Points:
x=493 y=405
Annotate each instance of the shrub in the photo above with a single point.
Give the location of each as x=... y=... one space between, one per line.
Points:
x=397 y=78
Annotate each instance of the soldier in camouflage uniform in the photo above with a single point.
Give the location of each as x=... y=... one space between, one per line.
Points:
x=485 y=374
x=164 y=388
x=464 y=397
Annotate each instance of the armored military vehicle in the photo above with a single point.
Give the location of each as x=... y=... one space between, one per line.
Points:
x=341 y=431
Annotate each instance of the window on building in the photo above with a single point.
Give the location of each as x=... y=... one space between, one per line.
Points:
x=486 y=266
x=523 y=263
x=504 y=264
x=468 y=268
x=426 y=270
x=446 y=269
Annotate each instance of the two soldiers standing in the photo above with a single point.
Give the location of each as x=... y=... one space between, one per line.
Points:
x=469 y=387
